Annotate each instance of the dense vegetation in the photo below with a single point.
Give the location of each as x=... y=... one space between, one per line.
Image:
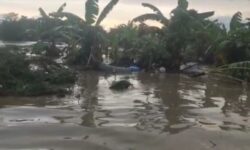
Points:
x=32 y=75
x=187 y=36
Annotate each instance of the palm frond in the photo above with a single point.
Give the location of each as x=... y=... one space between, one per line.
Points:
x=60 y=9
x=72 y=18
x=239 y=70
x=43 y=13
x=155 y=9
x=154 y=17
x=205 y=15
x=91 y=11
x=106 y=10
x=236 y=21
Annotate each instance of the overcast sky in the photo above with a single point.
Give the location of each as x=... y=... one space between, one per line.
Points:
x=126 y=9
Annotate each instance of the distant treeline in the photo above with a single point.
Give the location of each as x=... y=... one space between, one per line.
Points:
x=13 y=28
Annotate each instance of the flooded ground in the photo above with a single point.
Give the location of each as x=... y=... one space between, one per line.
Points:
x=159 y=112
x=19 y=44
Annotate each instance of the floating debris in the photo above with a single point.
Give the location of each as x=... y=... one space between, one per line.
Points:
x=120 y=85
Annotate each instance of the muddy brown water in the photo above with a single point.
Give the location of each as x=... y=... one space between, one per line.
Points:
x=160 y=112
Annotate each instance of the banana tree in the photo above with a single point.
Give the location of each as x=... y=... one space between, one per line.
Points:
x=238 y=71
x=234 y=47
x=122 y=43
x=47 y=32
x=91 y=34
x=180 y=30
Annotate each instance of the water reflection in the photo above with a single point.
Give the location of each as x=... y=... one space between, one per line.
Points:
x=157 y=103
x=89 y=84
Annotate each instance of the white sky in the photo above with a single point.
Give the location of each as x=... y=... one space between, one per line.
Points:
x=125 y=10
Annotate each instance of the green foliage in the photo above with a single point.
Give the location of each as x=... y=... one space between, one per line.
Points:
x=21 y=75
x=236 y=21
x=91 y=11
x=60 y=9
x=122 y=44
x=185 y=34
x=72 y=19
x=234 y=46
x=11 y=31
x=156 y=17
x=85 y=39
x=155 y=9
x=43 y=13
x=143 y=44
x=239 y=70
x=183 y=4
x=15 y=30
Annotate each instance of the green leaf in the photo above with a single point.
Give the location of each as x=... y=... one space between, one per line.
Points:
x=183 y=4
x=238 y=70
x=154 y=17
x=155 y=9
x=72 y=18
x=205 y=15
x=43 y=13
x=106 y=10
x=236 y=21
x=91 y=11
x=61 y=8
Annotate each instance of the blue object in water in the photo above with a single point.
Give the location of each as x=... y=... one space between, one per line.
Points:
x=134 y=68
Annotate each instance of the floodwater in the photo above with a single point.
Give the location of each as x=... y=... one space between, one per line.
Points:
x=19 y=44
x=159 y=112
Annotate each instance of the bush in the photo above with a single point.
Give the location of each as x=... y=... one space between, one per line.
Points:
x=32 y=76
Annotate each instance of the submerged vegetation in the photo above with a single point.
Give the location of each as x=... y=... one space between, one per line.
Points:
x=187 y=36
x=24 y=75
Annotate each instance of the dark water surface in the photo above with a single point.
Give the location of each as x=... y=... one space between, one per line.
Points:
x=159 y=112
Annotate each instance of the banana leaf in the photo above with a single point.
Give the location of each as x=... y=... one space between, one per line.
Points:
x=238 y=70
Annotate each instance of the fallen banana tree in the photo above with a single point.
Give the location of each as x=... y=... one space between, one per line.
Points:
x=239 y=71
